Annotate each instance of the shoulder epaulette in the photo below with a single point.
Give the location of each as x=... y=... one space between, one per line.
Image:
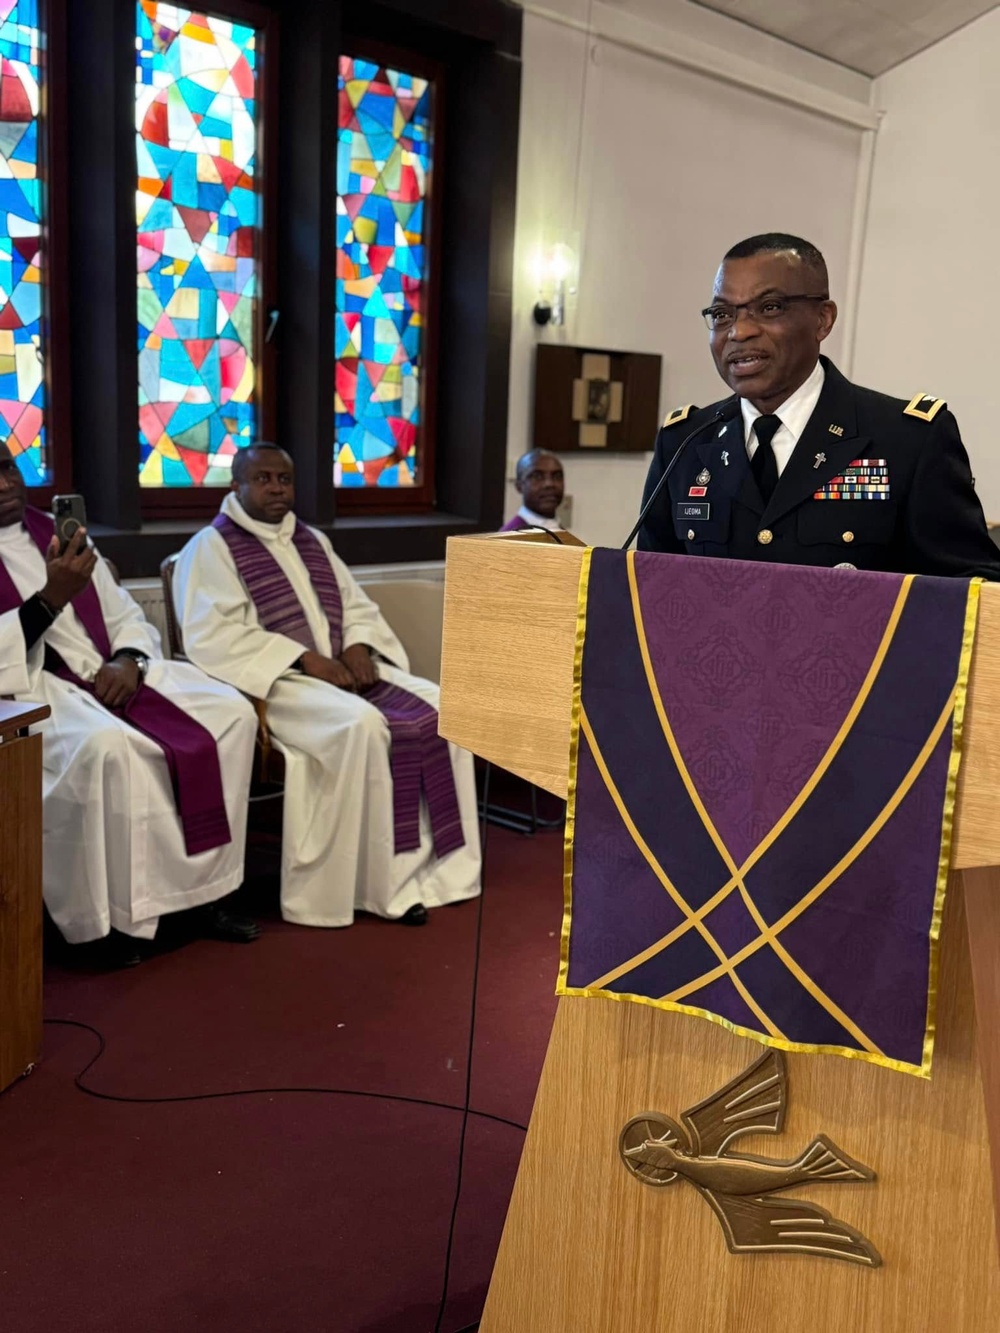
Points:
x=925 y=406
x=679 y=414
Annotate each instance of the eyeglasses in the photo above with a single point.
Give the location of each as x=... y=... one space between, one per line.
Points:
x=721 y=317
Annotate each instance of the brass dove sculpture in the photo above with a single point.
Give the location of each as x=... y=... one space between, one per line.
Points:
x=740 y=1188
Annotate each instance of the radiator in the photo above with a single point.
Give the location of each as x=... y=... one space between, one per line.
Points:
x=149 y=594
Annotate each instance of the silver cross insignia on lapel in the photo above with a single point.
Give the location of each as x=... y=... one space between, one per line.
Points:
x=725 y=458
x=820 y=460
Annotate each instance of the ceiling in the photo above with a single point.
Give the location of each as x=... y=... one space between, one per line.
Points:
x=867 y=35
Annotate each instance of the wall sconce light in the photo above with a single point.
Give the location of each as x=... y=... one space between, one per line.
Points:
x=554 y=271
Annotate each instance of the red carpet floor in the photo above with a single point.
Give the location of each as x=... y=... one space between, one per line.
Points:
x=292 y=1211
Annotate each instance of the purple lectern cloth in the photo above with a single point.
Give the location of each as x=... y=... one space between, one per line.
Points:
x=189 y=748
x=793 y=728
x=419 y=757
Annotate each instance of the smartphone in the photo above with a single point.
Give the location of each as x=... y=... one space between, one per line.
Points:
x=69 y=513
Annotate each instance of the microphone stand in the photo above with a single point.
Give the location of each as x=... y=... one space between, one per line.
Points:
x=720 y=413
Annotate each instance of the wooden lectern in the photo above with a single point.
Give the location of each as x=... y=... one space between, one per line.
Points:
x=20 y=890
x=586 y=1247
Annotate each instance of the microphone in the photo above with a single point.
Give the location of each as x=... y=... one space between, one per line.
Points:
x=552 y=536
x=726 y=412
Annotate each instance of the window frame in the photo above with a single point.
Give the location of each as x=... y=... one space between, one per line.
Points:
x=421 y=497
x=480 y=47
x=178 y=502
x=53 y=111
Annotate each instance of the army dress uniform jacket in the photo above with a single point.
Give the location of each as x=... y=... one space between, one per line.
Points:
x=874 y=482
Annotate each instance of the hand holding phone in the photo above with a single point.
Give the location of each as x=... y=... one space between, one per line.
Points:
x=69 y=571
x=70 y=514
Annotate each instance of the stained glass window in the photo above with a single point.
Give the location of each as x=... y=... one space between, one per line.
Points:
x=198 y=210
x=385 y=129
x=22 y=364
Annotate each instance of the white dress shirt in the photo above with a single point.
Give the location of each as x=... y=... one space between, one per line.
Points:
x=539 y=520
x=794 y=412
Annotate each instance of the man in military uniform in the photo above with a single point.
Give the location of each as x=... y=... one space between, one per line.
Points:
x=800 y=466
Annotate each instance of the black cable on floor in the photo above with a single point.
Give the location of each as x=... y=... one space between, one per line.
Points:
x=465 y=1108
x=250 y=1092
x=483 y=834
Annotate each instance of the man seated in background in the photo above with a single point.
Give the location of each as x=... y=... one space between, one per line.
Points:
x=539 y=480
x=146 y=763
x=379 y=812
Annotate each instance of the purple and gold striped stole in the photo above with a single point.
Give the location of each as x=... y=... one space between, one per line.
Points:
x=189 y=748
x=418 y=756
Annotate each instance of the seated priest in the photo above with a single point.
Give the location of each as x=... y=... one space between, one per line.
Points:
x=539 y=481
x=380 y=812
x=146 y=763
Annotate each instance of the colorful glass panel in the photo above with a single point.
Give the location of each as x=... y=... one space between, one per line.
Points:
x=385 y=132
x=22 y=361
x=198 y=210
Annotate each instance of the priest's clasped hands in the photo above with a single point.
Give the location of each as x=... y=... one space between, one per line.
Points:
x=353 y=670
x=68 y=572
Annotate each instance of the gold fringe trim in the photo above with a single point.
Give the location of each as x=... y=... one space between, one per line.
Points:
x=782 y=1043
x=948 y=818
x=574 y=752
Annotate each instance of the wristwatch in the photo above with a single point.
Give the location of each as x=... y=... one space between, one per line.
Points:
x=138 y=657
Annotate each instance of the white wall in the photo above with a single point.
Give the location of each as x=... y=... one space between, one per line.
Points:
x=929 y=279
x=675 y=166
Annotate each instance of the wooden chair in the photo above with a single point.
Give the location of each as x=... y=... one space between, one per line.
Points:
x=270 y=767
x=415 y=610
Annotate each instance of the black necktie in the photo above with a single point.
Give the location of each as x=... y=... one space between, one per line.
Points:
x=763 y=464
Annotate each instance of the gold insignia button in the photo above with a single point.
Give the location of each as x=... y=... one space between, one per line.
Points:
x=848 y=536
x=690 y=534
x=765 y=536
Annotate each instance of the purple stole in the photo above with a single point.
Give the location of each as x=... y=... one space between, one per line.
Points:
x=515 y=524
x=419 y=756
x=190 y=750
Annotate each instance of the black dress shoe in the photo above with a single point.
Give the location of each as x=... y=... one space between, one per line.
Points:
x=415 y=916
x=111 y=954
x=218 y=923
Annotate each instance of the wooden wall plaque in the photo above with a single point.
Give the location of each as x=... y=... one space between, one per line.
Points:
x=586 y=398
